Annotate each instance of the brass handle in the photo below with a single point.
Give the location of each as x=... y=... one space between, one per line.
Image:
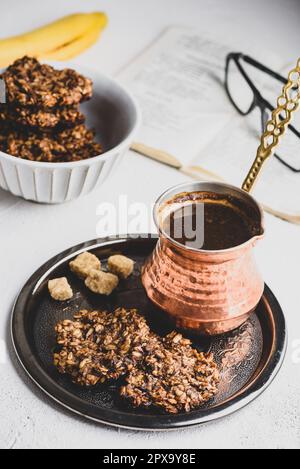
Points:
x=287 y=104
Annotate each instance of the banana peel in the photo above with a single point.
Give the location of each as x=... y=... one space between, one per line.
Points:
x=59 y=40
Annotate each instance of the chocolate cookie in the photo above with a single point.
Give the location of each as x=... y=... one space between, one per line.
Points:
x=29 y=83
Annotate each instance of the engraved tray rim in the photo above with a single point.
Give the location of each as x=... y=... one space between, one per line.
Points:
x=266 y=372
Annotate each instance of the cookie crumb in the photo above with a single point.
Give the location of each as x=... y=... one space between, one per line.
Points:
x=120 y=265
x=101 y=282
x=84 y=263
x=60 y=289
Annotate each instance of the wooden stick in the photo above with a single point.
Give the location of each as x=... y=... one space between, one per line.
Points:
x=198 y=173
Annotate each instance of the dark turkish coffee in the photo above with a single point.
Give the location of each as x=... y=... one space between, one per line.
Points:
x=209 y=224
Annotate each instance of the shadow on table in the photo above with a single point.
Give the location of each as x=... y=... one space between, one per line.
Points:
x=7 y=200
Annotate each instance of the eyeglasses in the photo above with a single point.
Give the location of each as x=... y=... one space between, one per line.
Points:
x=246 y=97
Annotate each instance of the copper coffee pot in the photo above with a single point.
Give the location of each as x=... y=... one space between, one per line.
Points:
x=213 y=292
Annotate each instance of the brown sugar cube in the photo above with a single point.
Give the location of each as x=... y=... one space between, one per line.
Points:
x=84 y=263
x=60 y=289
x=120 y=265
x=101 y=282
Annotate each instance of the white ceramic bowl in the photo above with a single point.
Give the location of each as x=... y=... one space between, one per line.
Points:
x=114 y=115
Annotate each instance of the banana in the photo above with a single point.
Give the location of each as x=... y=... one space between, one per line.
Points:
x=56 y=36
x=74 y=48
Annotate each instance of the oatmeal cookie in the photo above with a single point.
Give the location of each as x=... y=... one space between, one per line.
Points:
x=62 y=146
x=43 y=119
x=98 y=346
x=174 y=377
x=167 y=373
x=30 y=83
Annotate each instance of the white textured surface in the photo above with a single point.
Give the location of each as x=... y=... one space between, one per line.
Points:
x=30 y=234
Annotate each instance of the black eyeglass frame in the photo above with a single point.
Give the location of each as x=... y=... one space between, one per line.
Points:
x=258 y=100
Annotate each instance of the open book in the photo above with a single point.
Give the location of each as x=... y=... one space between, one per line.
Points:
x=189 y=122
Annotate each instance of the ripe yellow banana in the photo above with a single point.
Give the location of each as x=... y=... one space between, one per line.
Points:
x=73 y=32
x=74 y=48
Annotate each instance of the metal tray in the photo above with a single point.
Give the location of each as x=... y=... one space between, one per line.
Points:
x=249 y=358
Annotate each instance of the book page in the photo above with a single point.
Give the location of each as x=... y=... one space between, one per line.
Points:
x=231 y=155
x=179 y=84
x=232 y=152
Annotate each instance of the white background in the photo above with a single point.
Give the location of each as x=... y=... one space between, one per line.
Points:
x=30 y=234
